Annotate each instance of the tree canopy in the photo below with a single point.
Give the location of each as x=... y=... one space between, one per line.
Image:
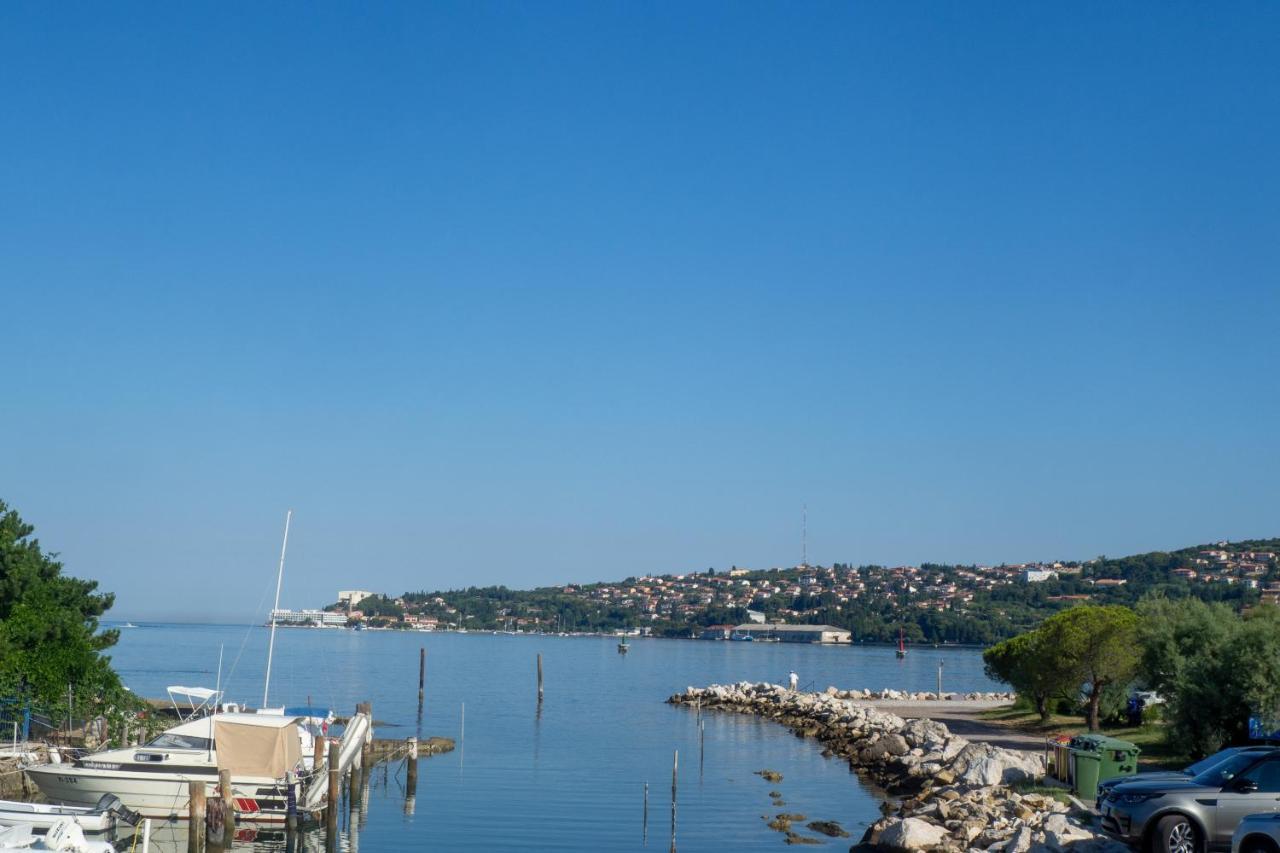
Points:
x=49 y=637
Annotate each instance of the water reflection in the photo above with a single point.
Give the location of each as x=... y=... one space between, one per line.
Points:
x=174 y=837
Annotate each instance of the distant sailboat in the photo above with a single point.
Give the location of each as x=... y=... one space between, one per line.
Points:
x=902 y=645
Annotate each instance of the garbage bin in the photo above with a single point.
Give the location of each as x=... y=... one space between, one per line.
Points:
x=1096 y=758
x=1060 y=757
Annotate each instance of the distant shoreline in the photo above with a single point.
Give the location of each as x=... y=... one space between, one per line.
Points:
x=877 y=644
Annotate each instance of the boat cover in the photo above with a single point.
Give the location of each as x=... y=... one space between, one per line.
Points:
x=256 y=750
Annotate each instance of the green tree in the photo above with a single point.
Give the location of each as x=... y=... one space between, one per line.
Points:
x=1098 y=645
x=1174 y=632
x=49 y=637
x=1219 y=688
x=1030 y=665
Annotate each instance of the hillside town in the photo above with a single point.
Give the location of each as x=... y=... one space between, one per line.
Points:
x=929 y=602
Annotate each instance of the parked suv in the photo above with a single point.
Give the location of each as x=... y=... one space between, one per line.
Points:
x=1105 y=786
x=1196 y=814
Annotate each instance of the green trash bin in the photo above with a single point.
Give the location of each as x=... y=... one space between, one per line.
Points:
x=1096 y=758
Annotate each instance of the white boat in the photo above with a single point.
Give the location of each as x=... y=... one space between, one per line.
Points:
x=64 y=837
x=42 y=817
x=258 y=749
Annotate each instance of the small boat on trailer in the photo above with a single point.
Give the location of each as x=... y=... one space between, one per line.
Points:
x=42 y=817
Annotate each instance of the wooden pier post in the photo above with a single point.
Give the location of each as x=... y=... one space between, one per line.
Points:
x=335 y=780
x=675 y=773
x=422 y=675
x=539 y=676
x=366 y=751
x=228 y=806
x=195 y=816
x=290 y=803
x=411 y=776
x=317 y=757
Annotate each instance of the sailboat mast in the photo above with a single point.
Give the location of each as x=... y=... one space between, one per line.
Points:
x=271 y=646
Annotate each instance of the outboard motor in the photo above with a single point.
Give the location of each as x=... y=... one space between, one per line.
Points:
x=111 y=804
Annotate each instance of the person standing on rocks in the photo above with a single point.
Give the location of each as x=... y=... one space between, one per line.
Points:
x=794 y=680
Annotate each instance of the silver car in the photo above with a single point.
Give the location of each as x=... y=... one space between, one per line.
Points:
x=1105 y=786
x=1196 y=814
x=1257 y=833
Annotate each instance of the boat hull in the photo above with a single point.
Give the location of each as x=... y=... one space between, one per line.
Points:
x=157 y=795
x=42 y=816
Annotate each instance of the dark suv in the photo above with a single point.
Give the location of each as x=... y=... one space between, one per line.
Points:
x=1195 y=814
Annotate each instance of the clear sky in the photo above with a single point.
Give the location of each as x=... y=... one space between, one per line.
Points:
x=536 y=292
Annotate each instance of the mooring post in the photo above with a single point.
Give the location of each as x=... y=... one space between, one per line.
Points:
x=422 y=675
x=411 y=768
x=645 y=823
x=462 y=726
x=702 y=745
x=317 y=757
x=539 y=676
x=195 y=816
x=335 y=780
x=366 y=750
x=290 y=802
x=411 y=775
x=675 y=773
x=940 y=664
x=228 y=806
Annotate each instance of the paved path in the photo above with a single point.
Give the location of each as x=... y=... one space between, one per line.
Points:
x=961 y=717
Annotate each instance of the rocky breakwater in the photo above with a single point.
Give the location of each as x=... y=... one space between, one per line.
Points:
x=954 y=794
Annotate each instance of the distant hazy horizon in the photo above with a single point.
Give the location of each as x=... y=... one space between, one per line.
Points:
x=576 y=291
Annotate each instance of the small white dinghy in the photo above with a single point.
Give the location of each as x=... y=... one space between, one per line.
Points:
x=63 y=837
x=42 y=816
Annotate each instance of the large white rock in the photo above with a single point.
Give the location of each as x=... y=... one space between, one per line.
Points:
x=911 y=834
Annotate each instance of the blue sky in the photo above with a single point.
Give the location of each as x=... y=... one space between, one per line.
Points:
x=530 y=293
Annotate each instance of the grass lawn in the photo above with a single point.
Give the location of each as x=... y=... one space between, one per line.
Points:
x=1156 y=751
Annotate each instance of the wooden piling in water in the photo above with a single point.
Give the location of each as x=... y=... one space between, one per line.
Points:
x=335 y=780
x=422 y=675
x=228 y=806
x=366 y=750
x=195 y=816
x=291 y=803
x=675 y=774
x=317 y=757
x=411 y=768
x=539 y=676
x=645 y=823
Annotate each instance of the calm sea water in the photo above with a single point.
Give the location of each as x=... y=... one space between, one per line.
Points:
x=570 y=778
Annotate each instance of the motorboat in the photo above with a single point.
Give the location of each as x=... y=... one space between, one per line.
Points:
x=42 y=817
x=258 y=749
x=64 y=837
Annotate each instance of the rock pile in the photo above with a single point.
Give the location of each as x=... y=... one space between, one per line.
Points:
x=954 y=790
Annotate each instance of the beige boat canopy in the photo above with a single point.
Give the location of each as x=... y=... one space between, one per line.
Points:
x=257 y=749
